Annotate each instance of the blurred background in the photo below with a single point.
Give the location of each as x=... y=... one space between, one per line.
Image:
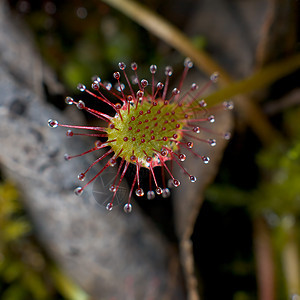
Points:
x=246 y=234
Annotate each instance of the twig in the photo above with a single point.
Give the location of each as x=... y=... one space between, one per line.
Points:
x=290 y=258
x=264 y=260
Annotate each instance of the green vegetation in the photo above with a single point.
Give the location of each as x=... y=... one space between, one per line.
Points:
x=26 y=272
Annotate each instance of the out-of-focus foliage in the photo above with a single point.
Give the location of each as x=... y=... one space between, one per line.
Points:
x=25 y=271
x=80 y=40
x=278 y=189
x=276 y=197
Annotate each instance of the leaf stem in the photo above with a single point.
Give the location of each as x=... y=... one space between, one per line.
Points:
x=264 y=260
x=257 y=80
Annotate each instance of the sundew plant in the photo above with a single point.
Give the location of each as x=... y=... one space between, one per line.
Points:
x=150 y=127
x=234 y=211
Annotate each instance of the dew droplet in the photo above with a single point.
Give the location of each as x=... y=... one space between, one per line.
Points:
x=128 y=208
x=212 y=142
x=98 y=144
x=193 y=178
x=112 y=162
x=202 y=103
x=69 y=100
x=158 y=191
x=165 y=138
x=139 y=94
x=130 y=99
x=168 y=71
x=144 y=83
x=117 y=75
x=214 y=77
x=160 y=85
x=182 y=157
x=66 y=156
x=81 y=87
x=81 y=176
x=108 y=86
x=96 y=78
x=166 y=193
x=139 y=192
x=211 y=119
x=196 y=129
x=112 y=188
x=23 y=6
x=81 y=12
x=170 y=183
x=52 y=123
x=205 y=159
x=80 y=104
x=50 y=8
x=227 y=135
x=117 y=106
x=122 y=66
x=134 y=66
x=295 y=297
x=96 y=85
x=188 y=63
x=176 y=182
x=228 y=105
x=78 y=191
x=175 y=91
x=164 y=152
x=69 y=133
x=109 y=206
x=134 y=79
x=150 y=195
x=153 y=69
x=120 y=87
x=194 y=87
x=190 y=145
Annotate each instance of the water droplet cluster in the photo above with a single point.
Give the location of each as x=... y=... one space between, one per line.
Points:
x=151 y=126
